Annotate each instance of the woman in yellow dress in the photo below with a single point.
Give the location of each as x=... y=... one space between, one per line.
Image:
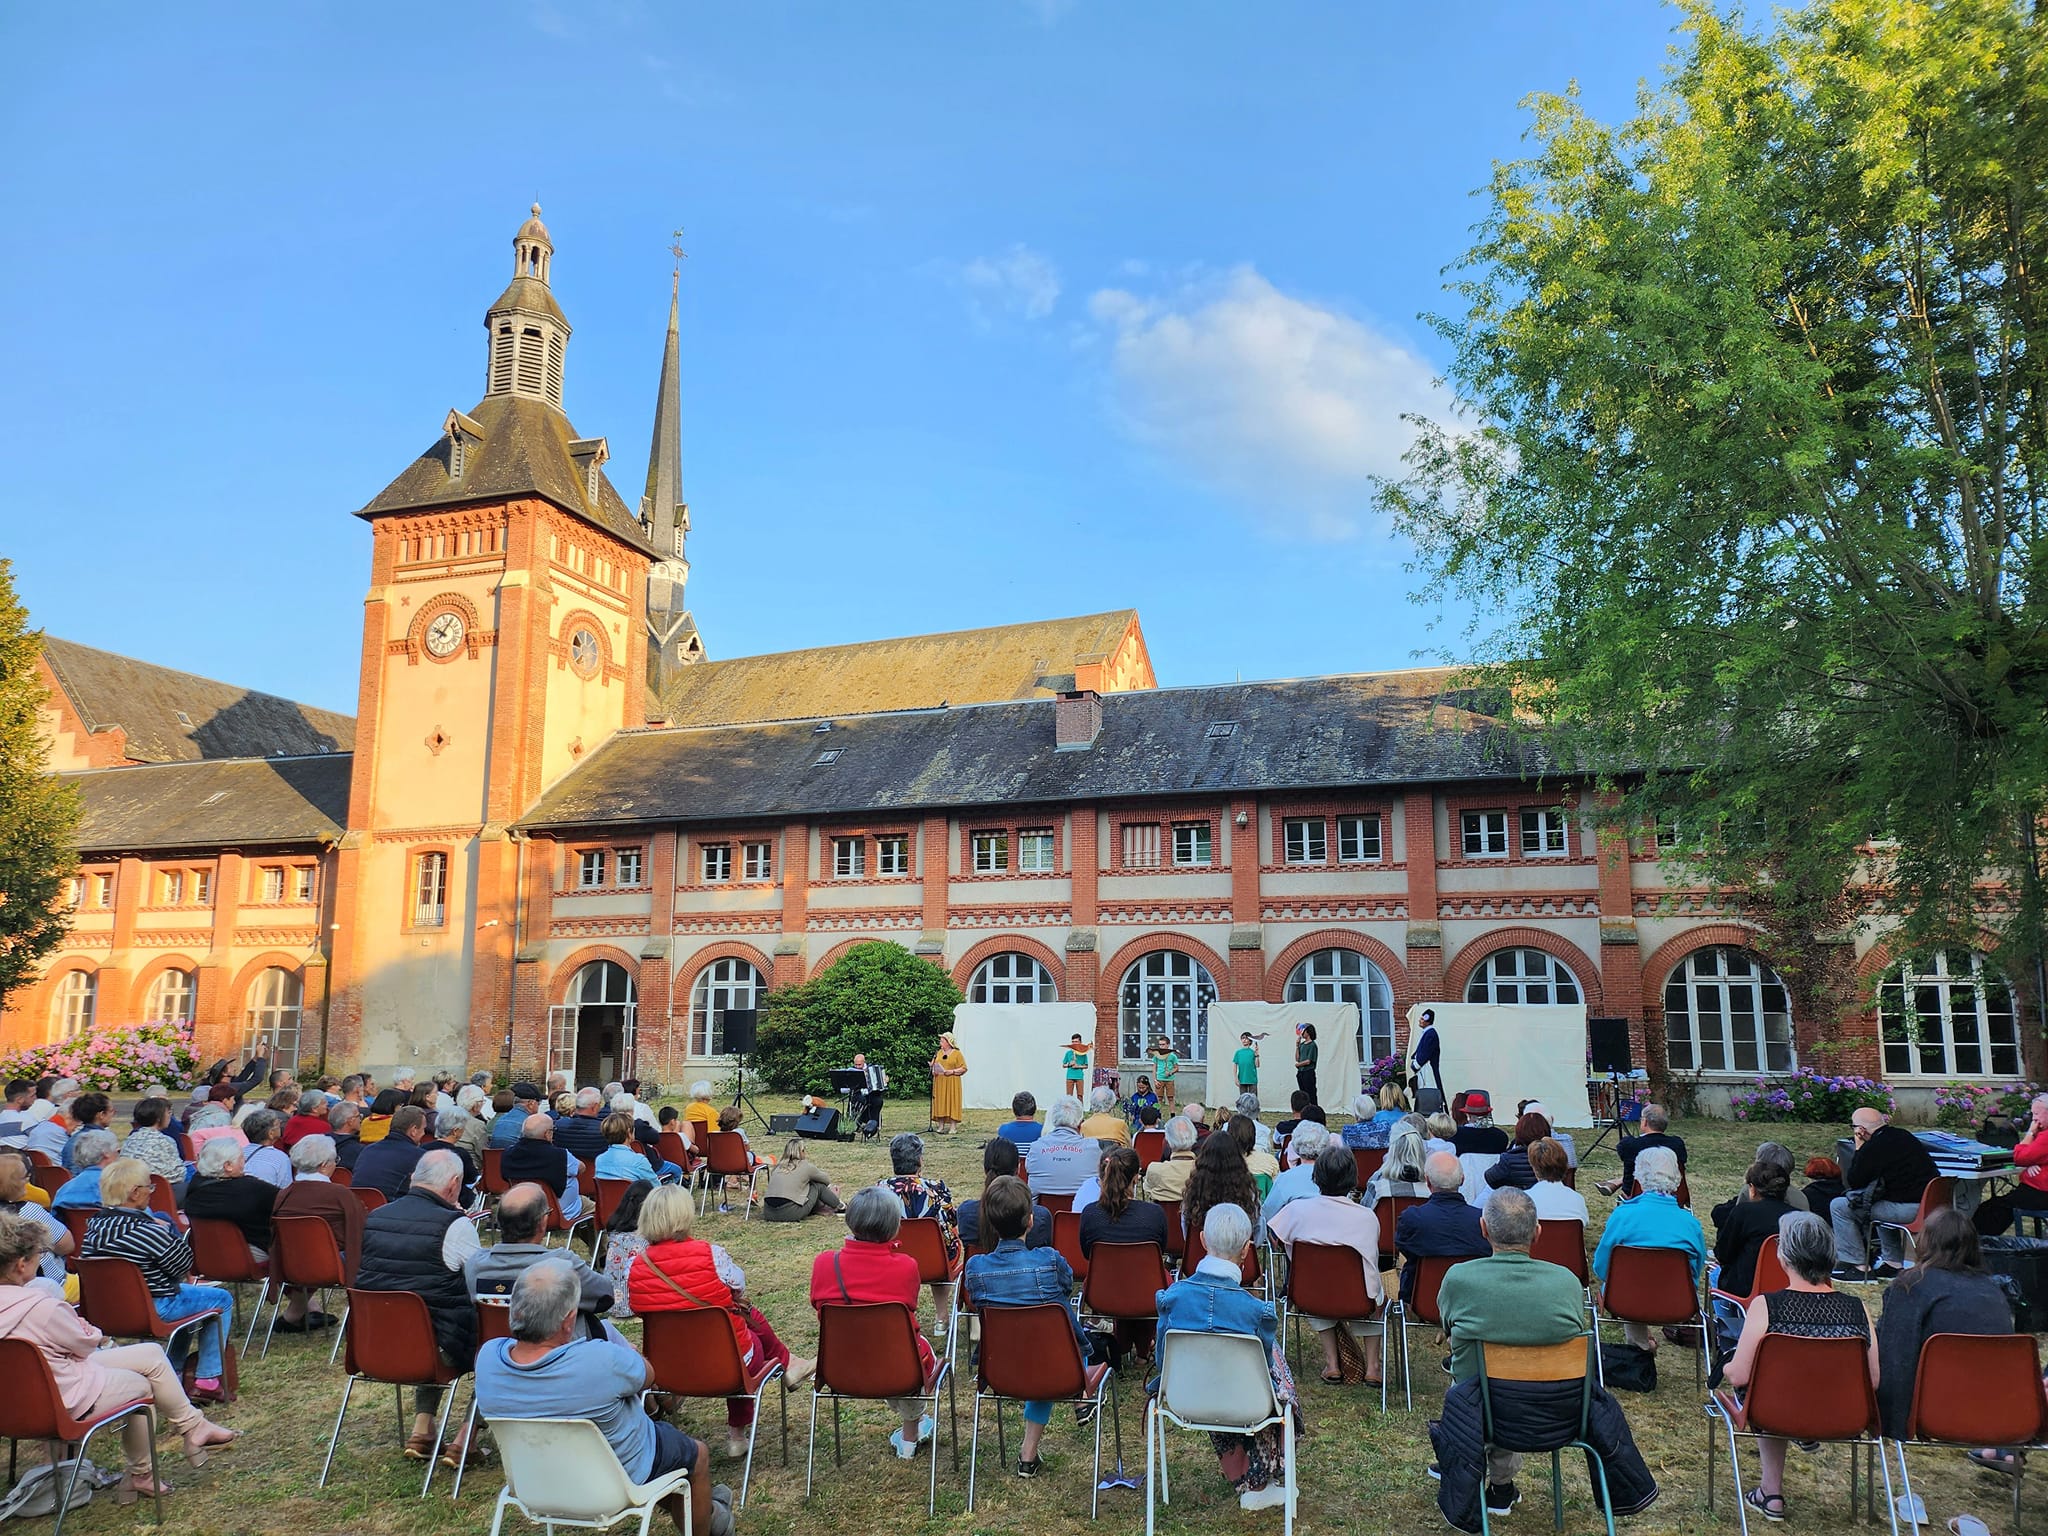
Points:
x=948 y=1067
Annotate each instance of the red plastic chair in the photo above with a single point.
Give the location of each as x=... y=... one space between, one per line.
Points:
x=184 y=1146
x=1770 y=1276
x=76 y=1218
x=1564 y=1243
x=33 y=1409
x=369 y=1198
x=1654 y=1287
x=493 y=1321
x=220 y=1255
x=675 y=1150
x=1939 y=1195
x=1055 y=1203
x=694 y=1354
x=389 y=1336
x=609 y=1193
x=342 y=1176
x=868 y=1351
x=1029 y=1354
x=303 y=1253
x=700 y=1137
x=1369 y=1160
x=1420 y=1311
x=492 y=1176
x=1389 y=1212
x=1176 y=1239
x=1066 y=1241
x=1683 y=1197
x=557 y=1222
x=925 y=1241
x=727 y=1156
x=1150 y=1145
x=43 y=1160
x=1801 y=1389
x=114 y=1298
x=1195 y=1250
x=1124 y=1282
x=49 y=1177
x=164 y=1200
x=1978 y=1390
x=1326 y=1281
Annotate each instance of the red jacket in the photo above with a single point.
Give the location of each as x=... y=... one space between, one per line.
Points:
x=868 y=1272
x=301 y=1126
x=690 y=1265
x=2031 y=1158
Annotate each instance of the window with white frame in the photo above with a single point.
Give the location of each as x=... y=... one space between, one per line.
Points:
x=1191 y=844
x=629 y=865
x=202 y=887
x=1485 y=834
x=430 y=891
x=271 y=878
x=849 y=858
x=1544 y=834
x=302 y=882
x=1346 y=976
x=1011 y=977
x=1141 y=845
x=103 y=890
x=892 y=854
x=71 y=1005
x=1725 y=1010
x=74 y=890
x=1358 y=840
x=171 y=997
x=991 y=852
x=173 y=887
x=273 y=1018
x=1034 y=850
x=1304 y=840
x=722 y=986
x=1522 y=976
x=756 y=861
x=1951 y=1016
x=590 y=868
x=716 y=862
x=1670 y=833
x=1166 y=993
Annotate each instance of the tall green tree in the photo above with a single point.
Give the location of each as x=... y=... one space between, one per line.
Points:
x=1749 y=489
x=876 y=998
x=38 y=814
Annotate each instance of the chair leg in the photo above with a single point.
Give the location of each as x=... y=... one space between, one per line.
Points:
x=468 y=1434
x=1891 y=1503
x=334 y=1349
x=1151 y=1469
x=973 y=1452
x=440 y=1435
x=155 y=1473
x=838 y=1451
x=1095 y=1491
x=753 y=1438
x=1287 y=1460
x=333 y=1440
x=783 y=1396
x=1557 y=1489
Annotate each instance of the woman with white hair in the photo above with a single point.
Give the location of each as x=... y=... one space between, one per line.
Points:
x=1401 y=1174
x=1103 y=1122
x=700 y=1110
x=1213 y=1300
x=2030 y=1157
x=224 y=1190
x=90 y=1151
x=1653 y=1219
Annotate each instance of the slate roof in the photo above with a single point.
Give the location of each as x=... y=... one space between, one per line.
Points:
x=525 y=452
x=220 y=719
x=245 y=803
x=969 y=666
x=1310 y=734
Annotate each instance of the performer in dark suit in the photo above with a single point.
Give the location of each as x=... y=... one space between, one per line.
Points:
x=1424 y=1057
x=870 y=1115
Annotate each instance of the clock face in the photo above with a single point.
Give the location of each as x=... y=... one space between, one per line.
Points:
x=583 y=652
x=444 y=635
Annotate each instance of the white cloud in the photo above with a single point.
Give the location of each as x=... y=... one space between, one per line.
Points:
x=1020 y=283
x=1287 y=406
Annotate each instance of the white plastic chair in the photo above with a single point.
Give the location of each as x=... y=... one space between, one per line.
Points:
x=1219 y=1384
x=564 y=1472
x=1475 y=1164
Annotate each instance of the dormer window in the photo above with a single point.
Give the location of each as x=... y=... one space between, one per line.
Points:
x=463 y=434
x=590 y=454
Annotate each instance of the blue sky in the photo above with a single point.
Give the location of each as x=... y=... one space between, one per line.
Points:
x=993 y=311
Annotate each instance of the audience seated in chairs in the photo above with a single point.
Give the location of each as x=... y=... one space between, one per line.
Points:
x=90 y=1152
x=623 y=1159
x=700 y=1110
x=1221 y=1177
x=1118 y=1214
x=1212 y=1299
x=1513 y=1170
x=126 y=1228
x=1653 y=1219
x=1022 y=1127
x=313 y=1193
x=1444 y=1226
x=868 y=1268
x=88 y=1112
x=387 y=1165
x=1777 y=1152
x=622 y=1245
x=263 y=1158
x=522 y=1224
x=679 y=1271
x=1335 y=1219
x=1061 y=1160
x=1741 y=1228
x=1656 y=1132
x=1103 y=1123
x=1884 y=1182
x=420 y=1242
x=14 y=1201
x=799 y=1187
x=511 y=1118
x=222 y=1190
x=1296 y=1181
x=1401 y=1174
x=1510 y=1298
x=1000 y=1159
x=1017 y=1276
x=1476 y=1132
x=475 y=1104
x=923 y=1196
x=1263 y=1165
x=149 y=1144
x=1555 y=1199
x=92 y=1380
x=2030 y=1157
x=344 y=1121
x=1167 y=1179
x=1812 y=1309
x=449 y=1126
x=534 y=1158
x=308 y=1118
x=550 y=1369
x=1948 y=1291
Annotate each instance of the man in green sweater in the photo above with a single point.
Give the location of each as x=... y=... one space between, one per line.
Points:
x=1507 y=1298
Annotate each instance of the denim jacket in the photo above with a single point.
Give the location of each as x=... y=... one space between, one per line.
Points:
x=1206 y=1303
x=1016 y=1276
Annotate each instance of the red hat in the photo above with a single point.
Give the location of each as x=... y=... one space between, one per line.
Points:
x=1477 y=1103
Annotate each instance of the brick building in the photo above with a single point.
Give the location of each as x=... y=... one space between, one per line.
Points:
x=556 y=831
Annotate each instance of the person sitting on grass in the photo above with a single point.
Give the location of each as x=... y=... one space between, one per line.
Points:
x=1653 y=1219
x=799 y=1187
x=1022 y=1127
x=1015 y=1275
x=868 y=1268
x=1142 y=1098
x=549 y=1369
x=1335 y=1219
x=1000 y=1159
x=126 y=1228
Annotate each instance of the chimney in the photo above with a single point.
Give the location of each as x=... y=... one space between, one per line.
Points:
x=1077 y=720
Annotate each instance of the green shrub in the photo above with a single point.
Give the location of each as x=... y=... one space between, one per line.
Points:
x=877 y=998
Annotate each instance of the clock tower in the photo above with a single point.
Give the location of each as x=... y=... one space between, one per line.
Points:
x=504 y=637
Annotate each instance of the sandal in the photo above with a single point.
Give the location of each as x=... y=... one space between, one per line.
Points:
x=1333 y=1381
x=132 y=1488
x=1770 y=1505
x=197 y=1450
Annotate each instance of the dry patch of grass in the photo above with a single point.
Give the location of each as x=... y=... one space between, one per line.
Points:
x=1360 y=1470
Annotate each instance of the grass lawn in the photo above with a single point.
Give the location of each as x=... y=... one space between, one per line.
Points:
x=1359 y=1470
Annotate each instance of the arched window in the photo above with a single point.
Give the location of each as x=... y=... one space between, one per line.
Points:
x=1727 y=1011
x=273 y=1018
x=71 y=1005
x=1346 y=976
x=592 y=1034
x=1011 y=977
x=1166 y=993
x=1522 y=976
x=170 y=997
x=721 y=986
x=1948 y=1017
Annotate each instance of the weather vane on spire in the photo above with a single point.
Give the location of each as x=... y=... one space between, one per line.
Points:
x=676 y=250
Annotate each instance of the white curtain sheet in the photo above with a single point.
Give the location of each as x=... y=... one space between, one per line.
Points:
x=1015 y=1046
x=1336 y=1063
x=1513 y=1052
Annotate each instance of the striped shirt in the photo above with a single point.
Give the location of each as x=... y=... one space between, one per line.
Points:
x=164 y=1257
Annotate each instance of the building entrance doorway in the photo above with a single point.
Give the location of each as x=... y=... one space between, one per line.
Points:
x=592 y=1035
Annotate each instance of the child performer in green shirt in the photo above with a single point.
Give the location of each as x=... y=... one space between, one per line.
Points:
x=1246 y=1060
x=1075 y=1065
x=1165 y=1063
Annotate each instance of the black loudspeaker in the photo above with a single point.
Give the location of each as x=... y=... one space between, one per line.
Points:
x=784 y=1125
x=1607 y=1042
x=819 y=1122
x=739 y=1031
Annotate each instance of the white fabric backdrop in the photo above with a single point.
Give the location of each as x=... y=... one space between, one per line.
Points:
x=1012 y=1046
x=1336 y=1063
x=1511 y=1051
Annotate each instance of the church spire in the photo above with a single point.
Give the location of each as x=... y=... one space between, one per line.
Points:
x=673 y=643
